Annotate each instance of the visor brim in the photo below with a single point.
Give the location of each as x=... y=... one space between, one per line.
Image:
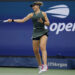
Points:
x=32 y=5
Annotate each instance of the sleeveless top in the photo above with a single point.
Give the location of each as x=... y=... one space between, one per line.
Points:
x=38 y=28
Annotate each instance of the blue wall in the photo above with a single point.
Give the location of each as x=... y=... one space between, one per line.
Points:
x=15 y=38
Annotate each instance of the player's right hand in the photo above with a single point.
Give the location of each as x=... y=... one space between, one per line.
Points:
x=9 y=20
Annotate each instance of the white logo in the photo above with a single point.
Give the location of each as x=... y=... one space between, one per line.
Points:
x=59 y=27
x=60 y=11
x=55 y=64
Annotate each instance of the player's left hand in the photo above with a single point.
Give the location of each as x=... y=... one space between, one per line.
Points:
x=40 y=20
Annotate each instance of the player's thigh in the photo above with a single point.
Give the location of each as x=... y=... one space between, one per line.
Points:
x=43 y=42
x=35 y=44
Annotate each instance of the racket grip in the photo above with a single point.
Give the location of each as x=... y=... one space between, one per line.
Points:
x=5 y=21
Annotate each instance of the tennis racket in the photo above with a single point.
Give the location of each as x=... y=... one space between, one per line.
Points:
x=3 y=21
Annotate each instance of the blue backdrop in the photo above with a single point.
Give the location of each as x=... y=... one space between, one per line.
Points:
x=15 y=38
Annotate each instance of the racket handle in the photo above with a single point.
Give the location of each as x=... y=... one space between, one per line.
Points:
x=5 y=21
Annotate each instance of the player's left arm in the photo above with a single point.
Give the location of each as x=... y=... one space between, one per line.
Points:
x=46 y=19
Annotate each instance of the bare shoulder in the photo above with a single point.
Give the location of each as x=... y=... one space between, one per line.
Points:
x=30 y=14
x=44 y=13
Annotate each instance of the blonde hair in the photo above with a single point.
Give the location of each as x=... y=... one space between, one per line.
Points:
x=39 y=3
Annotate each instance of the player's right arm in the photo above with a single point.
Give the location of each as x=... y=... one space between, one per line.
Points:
x=22 y=20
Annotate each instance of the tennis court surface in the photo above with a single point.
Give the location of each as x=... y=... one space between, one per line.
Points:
x=33 y=71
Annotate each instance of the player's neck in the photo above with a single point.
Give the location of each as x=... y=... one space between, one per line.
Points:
x=37 y=11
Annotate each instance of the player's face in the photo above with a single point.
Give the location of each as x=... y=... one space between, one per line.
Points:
x=35 y=7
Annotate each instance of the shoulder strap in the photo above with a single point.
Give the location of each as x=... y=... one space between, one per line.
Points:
x=41 y=12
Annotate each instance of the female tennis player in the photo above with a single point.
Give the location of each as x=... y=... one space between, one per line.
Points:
x=40 y=34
